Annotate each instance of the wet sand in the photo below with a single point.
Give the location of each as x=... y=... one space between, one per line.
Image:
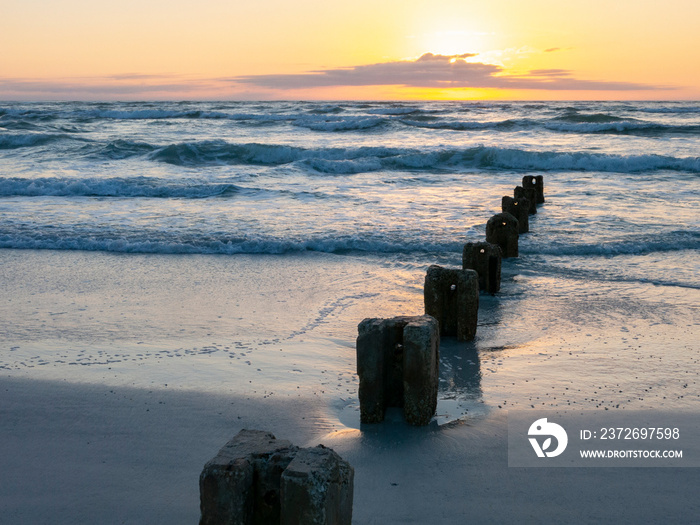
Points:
x=121 y=375
x=95 y=454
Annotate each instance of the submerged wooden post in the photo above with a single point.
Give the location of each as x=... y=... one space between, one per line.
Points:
x=398 y=362
x=530 y=194
x=518 y=208
x=485 y=259
x=537 y=182
x=452 y=297
x=502 y=229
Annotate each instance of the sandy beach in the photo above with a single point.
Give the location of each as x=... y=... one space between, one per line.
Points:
x=93 y=454
x=119 y=431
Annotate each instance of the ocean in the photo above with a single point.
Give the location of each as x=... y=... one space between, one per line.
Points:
x=235 y=246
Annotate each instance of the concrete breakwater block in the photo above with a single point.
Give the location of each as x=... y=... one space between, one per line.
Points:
x=518 y=208
x=485 y=259
x=317 y=489
x=528 y=193
x=502 y=229
x=452 y=297
x=244 y=483
x=537 y=182
x=241 y=484
x=398 y=362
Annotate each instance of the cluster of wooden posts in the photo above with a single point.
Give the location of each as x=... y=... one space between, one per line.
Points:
x=256 y=478
x=398 y=359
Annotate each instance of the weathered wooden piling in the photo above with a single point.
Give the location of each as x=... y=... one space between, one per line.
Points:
x=537 y=182
x=256 y=478
x=528 y=193
x=317 y=489
x=452 y=297
x=421 y=370
x=241 y=484
x=398 y=363
x=485 y=259
x=518 y=208
x=502 y=229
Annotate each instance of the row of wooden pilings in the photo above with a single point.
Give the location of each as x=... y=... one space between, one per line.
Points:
x=398 y=359
x=256 y=478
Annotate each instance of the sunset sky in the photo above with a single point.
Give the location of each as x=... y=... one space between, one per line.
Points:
x=311 y=49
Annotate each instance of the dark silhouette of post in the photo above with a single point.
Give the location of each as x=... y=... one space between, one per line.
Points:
x=485 y=259
x=452 y=297
x=530 y=194
x=537 y=182
x=518 y=208
x=502 y=229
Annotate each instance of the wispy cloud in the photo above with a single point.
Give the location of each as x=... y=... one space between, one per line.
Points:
x=555 y=49
x=436 y=71
x=126 y=86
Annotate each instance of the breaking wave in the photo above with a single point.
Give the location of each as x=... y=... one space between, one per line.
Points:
x=584 y=124
x=637 y=245
x=206 y=244
x=342 y=124
x=194 y=242
x=670 y=109
x=111 y=187
x=596 y=118
x=28 y=140
x=357 y=160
